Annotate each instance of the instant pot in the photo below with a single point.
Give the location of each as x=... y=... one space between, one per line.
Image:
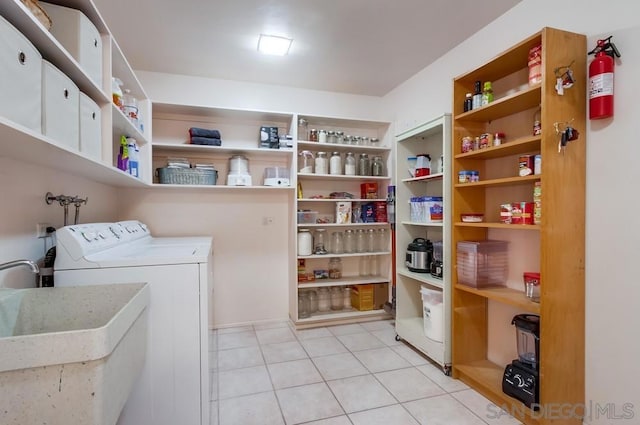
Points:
x=419 y=255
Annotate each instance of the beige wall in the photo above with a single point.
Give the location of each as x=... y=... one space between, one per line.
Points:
x=23 y=187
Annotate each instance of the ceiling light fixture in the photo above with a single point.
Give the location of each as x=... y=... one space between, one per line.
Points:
x=274 y=45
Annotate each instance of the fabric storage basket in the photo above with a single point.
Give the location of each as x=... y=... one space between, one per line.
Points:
x=79 y=36
x=90 y=128
x=167 y=175
x=21 y=76
x=60 y=107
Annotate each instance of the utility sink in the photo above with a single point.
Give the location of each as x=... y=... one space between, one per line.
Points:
x=70 y=355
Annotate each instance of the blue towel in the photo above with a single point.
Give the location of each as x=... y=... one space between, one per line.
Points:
x=205 y=141
x=203 y=132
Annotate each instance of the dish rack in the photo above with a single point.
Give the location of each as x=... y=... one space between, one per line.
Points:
x=196 y=176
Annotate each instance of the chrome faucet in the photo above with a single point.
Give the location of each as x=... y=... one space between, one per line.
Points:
x=17 y=263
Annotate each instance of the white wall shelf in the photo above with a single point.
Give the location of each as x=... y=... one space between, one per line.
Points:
x=345 y=281
x=339 y=199
x=342 y=148
x=322 y=225
x=357 y=254
x=421 y=277
x=222 y=150
x=330 y=177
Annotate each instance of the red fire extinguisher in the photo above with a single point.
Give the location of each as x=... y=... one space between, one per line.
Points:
x=601 y=79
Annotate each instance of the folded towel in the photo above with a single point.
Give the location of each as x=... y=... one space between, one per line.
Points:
x=203 y=132
x=205 y=141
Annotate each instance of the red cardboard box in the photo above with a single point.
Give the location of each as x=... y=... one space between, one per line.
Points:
x=369 y=191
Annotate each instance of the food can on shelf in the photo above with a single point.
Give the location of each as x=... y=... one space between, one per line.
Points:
x=525 y=165
x=464 y=176
x=522 y=213
x=537 y=203
x=505 y=213
x=467 y=144
x=486 y=140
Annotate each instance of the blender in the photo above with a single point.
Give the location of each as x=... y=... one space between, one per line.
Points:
x=521 y=377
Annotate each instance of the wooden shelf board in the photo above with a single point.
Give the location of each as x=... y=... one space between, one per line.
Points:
x=357 y=254
x=220 y=187
x=508 y=105
x=303 y=176
x=227 y=150
x=506 y=181
x=436 y=176
x=505 y=296
x=499 y=226
x=418 y=223
x=377 y=224
x=333 y=147
x=421 y=277
x=340 y=199
x=341 y=315
x=346 y=281
x=518 y=146
x=486 y=377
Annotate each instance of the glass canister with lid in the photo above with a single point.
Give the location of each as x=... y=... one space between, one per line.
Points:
x=377 y=167
x=335 y=163
x=335 y=268
x=303 y=305
x=340 y=137
x=322 y=163
x=364 y=165
x=324 y=299
x=305 y=162
x=305 y=242
x=331 y=137
x=350 y=164
x=337 y=298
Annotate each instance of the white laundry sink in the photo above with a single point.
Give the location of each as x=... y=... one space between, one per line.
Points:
x=70 y=355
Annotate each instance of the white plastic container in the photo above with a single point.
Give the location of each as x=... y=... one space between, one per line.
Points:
x=433 y=313
x=276 y=176
x=79 y=36
x=305 y=242
x=60 y=107
x=21 y=76
x=90 y=128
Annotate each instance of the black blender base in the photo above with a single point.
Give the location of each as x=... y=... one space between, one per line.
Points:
x=521 y=382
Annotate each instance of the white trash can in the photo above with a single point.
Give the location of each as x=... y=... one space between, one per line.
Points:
x=433 y=313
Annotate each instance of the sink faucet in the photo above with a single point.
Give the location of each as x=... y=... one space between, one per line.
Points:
x=17 y=263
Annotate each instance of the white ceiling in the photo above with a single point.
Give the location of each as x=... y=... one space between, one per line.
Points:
x=363 y=47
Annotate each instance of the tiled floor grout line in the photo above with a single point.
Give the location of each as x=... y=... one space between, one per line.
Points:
x=266 y=365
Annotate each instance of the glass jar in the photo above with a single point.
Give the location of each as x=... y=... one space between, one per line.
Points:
x=305 y=242
x=347 y=139
x=349 y=241
x=313 y=301
x=335 y=268
x=356 y=214
x=346 y=298
x=349 y=164
x=337 y=243
x=377 y=167
x=335 y=164
x=340 y=137
x=303 y=129
x=337 y=300
x=319 y=246
x=305 y=162
x=374 y=141
x=361 y=241
x=322 y=163
x=371 y=240
x=364 y=165
x=364 y=141
x=313 y=135
x=355 y=140
x=373 y=265
x=303 y=305
x=331 y=136
x=322 y=136
x=324 y=299
x=381 y=243
x=363 y=269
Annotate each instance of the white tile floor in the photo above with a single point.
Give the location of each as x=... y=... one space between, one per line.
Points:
x=271 y=374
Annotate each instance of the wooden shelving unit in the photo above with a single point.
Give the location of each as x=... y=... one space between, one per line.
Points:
x=555 y=247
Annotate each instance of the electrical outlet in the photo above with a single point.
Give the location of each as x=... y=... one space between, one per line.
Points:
x=41 y=229
x=267 y=221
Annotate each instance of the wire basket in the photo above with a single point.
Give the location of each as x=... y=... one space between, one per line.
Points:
x=167 y=175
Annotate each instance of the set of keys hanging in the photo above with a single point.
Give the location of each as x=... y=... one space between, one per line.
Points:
x=566 y=135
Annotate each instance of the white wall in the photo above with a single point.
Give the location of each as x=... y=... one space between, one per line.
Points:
x=23 y=187
x=612 y=289
x=242 y=95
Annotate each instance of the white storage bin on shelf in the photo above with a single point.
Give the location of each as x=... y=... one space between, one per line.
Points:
x=60 y=107
x=79 y=36
x=90 y=128
x=433 y=313
x=21 y=74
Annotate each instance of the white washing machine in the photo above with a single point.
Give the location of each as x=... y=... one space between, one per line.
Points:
x=174 y=385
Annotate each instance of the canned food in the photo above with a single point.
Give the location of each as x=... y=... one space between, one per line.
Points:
x=467 y=144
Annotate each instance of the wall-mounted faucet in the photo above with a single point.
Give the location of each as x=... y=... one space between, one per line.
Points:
x=64 y=201
x=17 y=263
